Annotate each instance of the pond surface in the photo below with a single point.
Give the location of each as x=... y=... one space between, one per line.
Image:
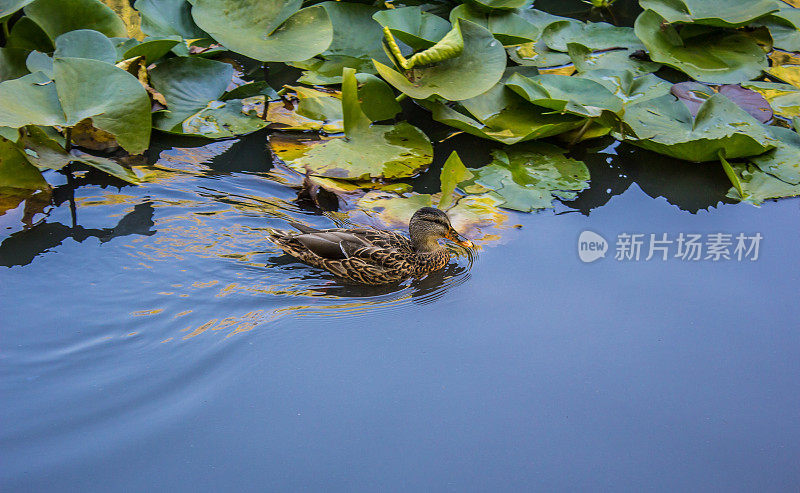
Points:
x=162 y=342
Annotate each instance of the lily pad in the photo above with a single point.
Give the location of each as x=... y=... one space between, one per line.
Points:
x=783 y=162
x=40 y=62
x=152 y=49
x=500 y=4
x=573 y=95
x=722 y=57
x=12 y=63
x=784 y=28
x=57 y=17
x=267 y=30
x=665 y=125
x=628 y=88
x=168 y=18
x=479 y=66
x=114 y=100
x=508 y=27
x=718 y=13
x=85 y=43
x=355 y=33
x=8 y=7
x=755 y=186
x=786 y=67
x=328 y=70
x=368 y=151
x=586 y=60
x=537 y=54
x=529 y=176
x=453 y=173
x=15 y=170
x=413 y=26
x=783 y=98
x=593 y=35
x=30 y=100
x=500 y=114
x=220 y=120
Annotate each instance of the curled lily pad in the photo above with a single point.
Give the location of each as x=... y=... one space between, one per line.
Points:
x=479 y=66
x=57 y=17
x=367 y=151
x=529 y=176
x=508 y=27
x=665 y=125
x=783 y=98
x=269 y=30
x=712 y=56
x=85 y=43
x=8 y=7
x=719 y=13
x=413 y=26
x=151 y=49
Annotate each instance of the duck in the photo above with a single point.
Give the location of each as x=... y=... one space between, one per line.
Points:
x=373 y=256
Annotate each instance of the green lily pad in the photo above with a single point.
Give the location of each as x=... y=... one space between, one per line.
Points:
x=573 y=95
x=719 y=13
x=114 y=100
x=30 y=100
x=500 y=114
x=628 y=88
x=376 y=98
x=328 y=70
x=222 y=119
x=755 y=186
x=106 y=165
x=57 y=17
x=16 y=171
x=508 y=27
x=500 y=4
x=42 y=151
x=537 y=54
x=12 y=63
x=453 y=173
x=168 y=18
x=714 y=56
x=479 y=66
x=784 y=28
x=355 y=33
x=267 y=30
x=418 y=29
x=85 y=43
x=783 y=162
x=783 y=98
x=8 y=7
x=151 y=49
x=665 y=125
x=40 y=62
x=529 y=176
x=593 y=35
x=586 y=60
x=188 y=84
x=368 y=151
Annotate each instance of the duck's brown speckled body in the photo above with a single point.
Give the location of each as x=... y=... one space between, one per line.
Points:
x=371 y=256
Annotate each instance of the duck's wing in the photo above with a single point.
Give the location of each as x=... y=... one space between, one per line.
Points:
x=331 y=245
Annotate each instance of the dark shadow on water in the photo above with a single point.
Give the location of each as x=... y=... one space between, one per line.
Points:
x=23 y=246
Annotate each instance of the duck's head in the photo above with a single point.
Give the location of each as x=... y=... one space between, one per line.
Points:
x=428 y=225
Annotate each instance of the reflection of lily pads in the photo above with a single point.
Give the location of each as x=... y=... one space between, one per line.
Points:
x=367 y=151
x=269 y=30
x=479 y=66
x=723 y=57
x=719 y=13
x=665 y=125
x=529 y=176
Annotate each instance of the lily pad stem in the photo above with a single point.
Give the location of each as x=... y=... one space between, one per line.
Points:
x=6 y=33
x=401 y=97
x=581 y=132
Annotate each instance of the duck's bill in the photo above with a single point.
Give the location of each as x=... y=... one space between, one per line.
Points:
x=457 y=238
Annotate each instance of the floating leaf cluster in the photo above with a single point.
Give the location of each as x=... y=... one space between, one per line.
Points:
x=79 y=87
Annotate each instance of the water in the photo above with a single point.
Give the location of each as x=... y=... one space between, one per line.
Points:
x=163 y=342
